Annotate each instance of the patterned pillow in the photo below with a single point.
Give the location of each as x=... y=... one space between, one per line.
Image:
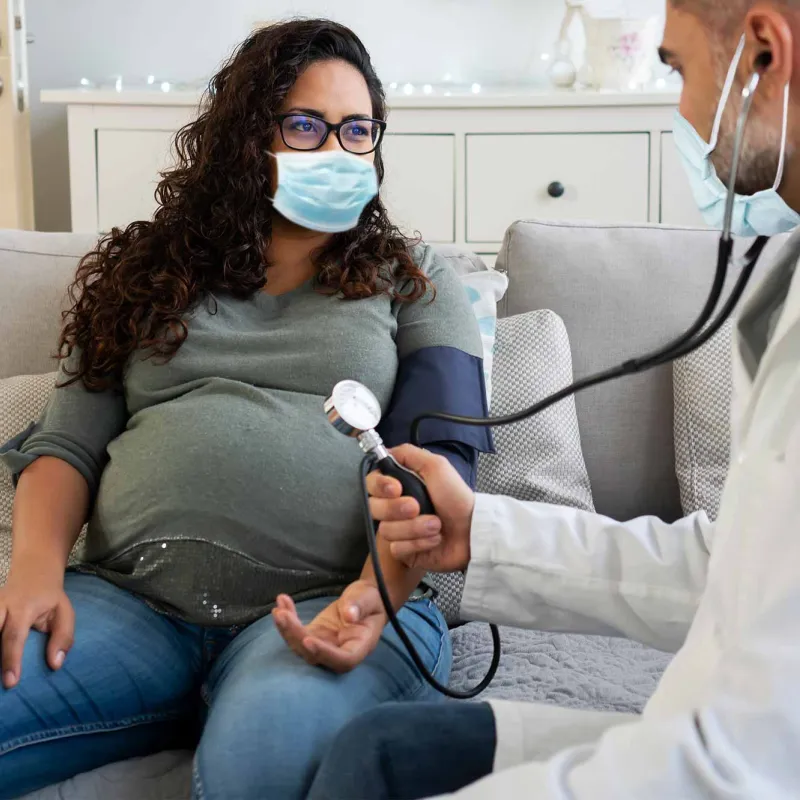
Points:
x=703 y=393
x=485 y=290
x=541 y=458
x=22 y=400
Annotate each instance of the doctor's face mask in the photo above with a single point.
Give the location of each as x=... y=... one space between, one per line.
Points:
x=715 y=69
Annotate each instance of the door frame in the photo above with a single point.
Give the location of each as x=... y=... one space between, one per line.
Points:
x=16 y=168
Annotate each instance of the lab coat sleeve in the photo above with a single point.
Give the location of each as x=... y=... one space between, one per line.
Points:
x=740 y=741
x=559 y=569
x=737 y=743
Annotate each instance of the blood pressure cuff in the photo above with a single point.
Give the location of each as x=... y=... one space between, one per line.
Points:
x=442 y=379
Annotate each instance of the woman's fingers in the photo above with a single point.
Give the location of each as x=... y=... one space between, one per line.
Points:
x=380 y=486
x=286 y=603
x=15 y=634
x=62 y=632
x=289 y=626
x=337 y=658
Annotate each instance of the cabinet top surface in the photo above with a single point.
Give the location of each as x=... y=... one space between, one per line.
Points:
x=487 y=97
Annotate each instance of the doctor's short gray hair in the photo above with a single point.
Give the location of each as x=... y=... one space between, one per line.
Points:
x=724 y=14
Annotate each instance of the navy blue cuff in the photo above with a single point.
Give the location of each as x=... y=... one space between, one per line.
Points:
x=463 y=457
x=441 y=379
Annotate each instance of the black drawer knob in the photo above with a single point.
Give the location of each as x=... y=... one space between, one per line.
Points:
x=556 y=189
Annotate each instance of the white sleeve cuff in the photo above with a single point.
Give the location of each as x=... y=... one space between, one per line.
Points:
x=486 y=520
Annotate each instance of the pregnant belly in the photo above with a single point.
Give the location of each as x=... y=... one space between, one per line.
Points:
x=257 y=471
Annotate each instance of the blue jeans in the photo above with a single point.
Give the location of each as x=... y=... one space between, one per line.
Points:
x=133 y=682
x=400 y=752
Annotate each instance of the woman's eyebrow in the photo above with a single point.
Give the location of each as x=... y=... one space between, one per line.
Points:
x=312 y=112
x=315 y=113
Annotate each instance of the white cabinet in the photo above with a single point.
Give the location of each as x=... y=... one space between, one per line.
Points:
x=128 y=167
x=420 y=184
x=459 y=169
x=677 y=203
x=604 y=177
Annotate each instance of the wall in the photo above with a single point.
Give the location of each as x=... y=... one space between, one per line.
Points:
x=490 y=41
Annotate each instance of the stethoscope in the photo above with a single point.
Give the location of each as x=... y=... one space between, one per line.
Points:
x=355 y=411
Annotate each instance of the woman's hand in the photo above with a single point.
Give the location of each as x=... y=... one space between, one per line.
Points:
x=341 y=636
x=434 y=544
x=34 y=597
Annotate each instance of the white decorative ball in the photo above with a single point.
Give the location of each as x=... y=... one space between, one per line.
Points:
x=563 y=73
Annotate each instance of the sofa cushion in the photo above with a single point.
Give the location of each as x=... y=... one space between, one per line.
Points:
x=621 y=291
x=703 y=393
x=35 y=269
x=22 y=400
x=540 y=458
x=462 y=261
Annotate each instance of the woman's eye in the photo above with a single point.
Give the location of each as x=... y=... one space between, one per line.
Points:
x=303 y=127
x=358 y=131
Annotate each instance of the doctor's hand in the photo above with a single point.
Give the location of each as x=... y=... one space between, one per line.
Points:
x=436 y=544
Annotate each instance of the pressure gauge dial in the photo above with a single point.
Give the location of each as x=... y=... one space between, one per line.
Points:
x=353 y=409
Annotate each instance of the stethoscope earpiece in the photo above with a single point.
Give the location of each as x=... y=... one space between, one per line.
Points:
x=764 y=60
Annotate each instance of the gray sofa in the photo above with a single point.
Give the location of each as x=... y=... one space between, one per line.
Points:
x=621 y=290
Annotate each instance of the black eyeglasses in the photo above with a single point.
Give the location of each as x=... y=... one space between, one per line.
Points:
x=307 y=132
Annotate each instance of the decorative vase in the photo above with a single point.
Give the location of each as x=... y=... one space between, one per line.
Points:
x=619 y=52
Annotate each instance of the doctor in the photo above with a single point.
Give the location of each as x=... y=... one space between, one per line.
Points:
x=725 y=720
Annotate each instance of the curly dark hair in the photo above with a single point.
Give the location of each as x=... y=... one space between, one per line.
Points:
x=212 y=229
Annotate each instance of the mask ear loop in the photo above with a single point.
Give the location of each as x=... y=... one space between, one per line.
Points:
x=725 y=96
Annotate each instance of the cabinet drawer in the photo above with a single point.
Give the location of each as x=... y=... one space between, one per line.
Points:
x=599 y=177
x=128 y=166
x=677 y=202
x=419 y=188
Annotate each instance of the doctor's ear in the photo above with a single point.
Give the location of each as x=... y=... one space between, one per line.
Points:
x=771 y=38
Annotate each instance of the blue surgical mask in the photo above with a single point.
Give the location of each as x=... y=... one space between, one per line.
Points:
x=324 y=192
x=761 y=214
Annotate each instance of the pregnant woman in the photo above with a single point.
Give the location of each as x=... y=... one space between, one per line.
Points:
x=225 y=590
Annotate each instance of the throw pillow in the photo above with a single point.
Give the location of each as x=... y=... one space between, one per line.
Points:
x=703 y=385
x=22 y=401
x=540 y=458
x=485 y=290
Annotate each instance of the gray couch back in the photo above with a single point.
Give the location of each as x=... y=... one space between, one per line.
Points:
x=622 y=291
x=35 y=269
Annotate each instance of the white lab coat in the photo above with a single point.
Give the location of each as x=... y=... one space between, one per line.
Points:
x=725 y=720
